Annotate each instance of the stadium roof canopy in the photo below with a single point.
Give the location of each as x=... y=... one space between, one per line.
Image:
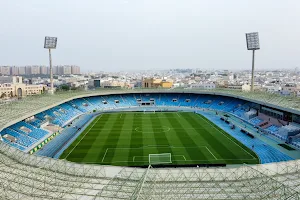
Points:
x=26 y=177
x=14 y=111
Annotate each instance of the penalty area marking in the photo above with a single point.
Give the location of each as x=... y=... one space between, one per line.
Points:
x=171 y=147
x=211 y=153
x=136 y=161
x=133 y=159
x=83 y=137
x=104 y=154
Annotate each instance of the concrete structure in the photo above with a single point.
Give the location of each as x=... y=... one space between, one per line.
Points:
x=204 y=86
x=290 y=88
x=44 y=70
x=67 y=70
x=5 y=70
x=247 y=87
x=156 y=83
x=16 y=88
x=36 y=69
x=75 y=69
x=22 y=71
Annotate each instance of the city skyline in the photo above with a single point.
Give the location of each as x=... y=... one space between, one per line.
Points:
x=145 y=35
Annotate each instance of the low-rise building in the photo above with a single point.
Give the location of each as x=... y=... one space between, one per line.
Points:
x=18 y=89
x=156 y=83
x=247 y=87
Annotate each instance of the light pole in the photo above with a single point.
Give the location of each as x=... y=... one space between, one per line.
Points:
x=252 y=44
x=50 y=43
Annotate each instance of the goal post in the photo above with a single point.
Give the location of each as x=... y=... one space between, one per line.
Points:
x=149 y=111
x=162 y=158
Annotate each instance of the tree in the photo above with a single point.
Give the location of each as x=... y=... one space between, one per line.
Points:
x=65 y=87
x=3 y=95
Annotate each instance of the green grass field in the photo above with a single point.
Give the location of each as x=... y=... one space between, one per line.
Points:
x=128 y=138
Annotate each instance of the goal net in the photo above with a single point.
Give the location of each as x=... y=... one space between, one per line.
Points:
x=162 y=158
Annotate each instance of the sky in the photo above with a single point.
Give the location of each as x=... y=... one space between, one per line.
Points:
x=120 y=35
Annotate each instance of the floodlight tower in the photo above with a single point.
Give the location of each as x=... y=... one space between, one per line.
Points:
x=50 y=43
x=252 y=44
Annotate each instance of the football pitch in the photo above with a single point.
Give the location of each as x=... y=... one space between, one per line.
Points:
x=128 y=138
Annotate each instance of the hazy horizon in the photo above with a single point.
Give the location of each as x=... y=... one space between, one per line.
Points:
x=154 y=34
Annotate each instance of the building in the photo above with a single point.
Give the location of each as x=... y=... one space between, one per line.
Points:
x=272 y=88
x=75 y=69
x=156 y=83
x=66 y=70
x=14 y=70
x=27 y=70
x=290 y=88
x=22 y=71
x=204 y=86
x=6 y=79
x=5 y=70
x=35 y=70
x=247 y=87
x=113 y=84
x=18 y=89
x=44 y=70
x=95 y=83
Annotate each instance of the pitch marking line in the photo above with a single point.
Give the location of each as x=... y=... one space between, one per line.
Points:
x=120 y=116
x=211 y=153
x=83 y=137
x=133 y=159
x=178 y=114
x=104 y=154
x=226 y=136
x=126 y=161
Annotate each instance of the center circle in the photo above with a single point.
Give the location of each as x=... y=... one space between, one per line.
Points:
x=152 y=129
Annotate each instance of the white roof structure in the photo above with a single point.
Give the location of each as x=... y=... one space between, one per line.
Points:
x=30 y=177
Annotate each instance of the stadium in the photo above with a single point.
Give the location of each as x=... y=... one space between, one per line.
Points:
x=151 y=144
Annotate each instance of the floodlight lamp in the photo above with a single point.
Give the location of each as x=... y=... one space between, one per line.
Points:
x=252 y=41
x=50 y=42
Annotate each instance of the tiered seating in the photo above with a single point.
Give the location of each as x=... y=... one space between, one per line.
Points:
x=79 y=104
x=111 y=100
x=273 y=128
x=202 y=101
x=13 y=144
x=70 y=109
x=183 y=99
x=233 y=105
x=130 y=99
x=36 y=133
x=255 y=120
x=35 y=122
x=55 y=119
x=23 y=140
x=167 y=100
x=42 y=116
x=108 y=105
x=296 y=142
x=51 y=148
x=238 y=112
